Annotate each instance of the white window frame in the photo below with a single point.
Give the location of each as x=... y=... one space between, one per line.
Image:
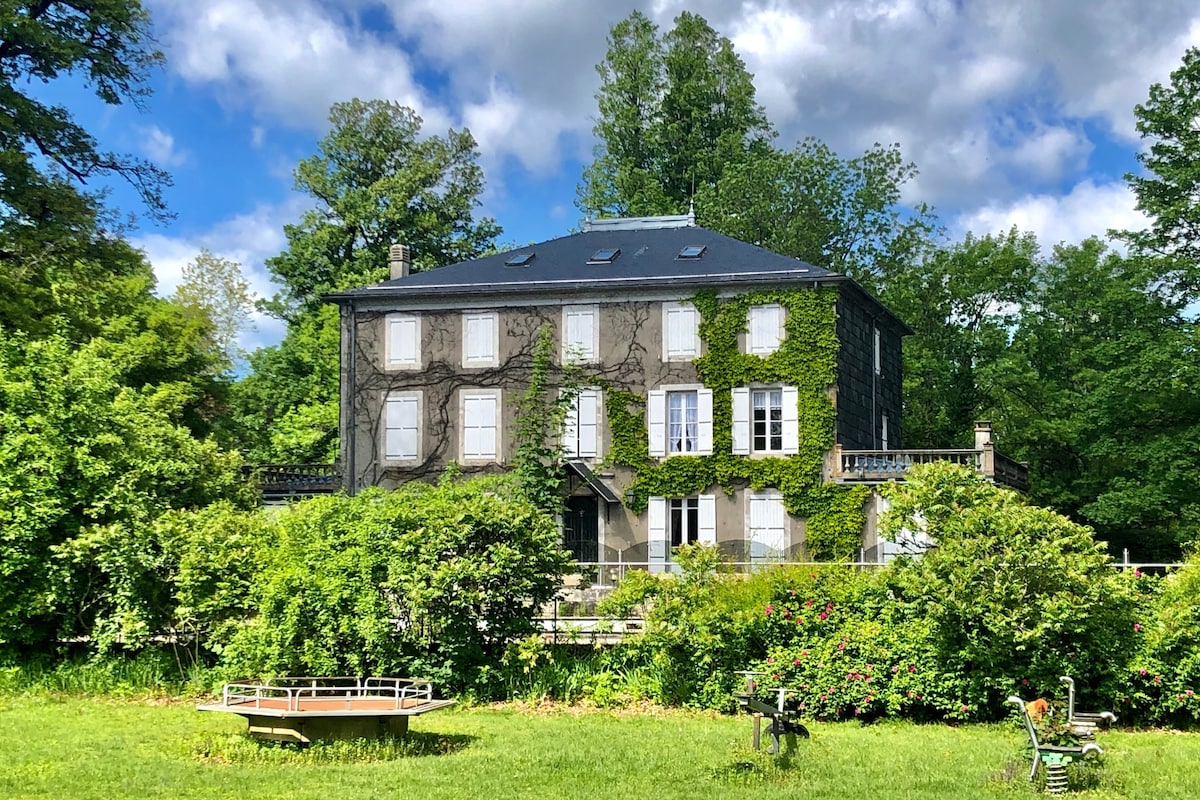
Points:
x=390 y=399
x=765 y=345
x=585 y=352
x=577 y=441
x=493 y=318
x=680 y=310
x=883 y=434
x=877 y=349
x=743 y=420
x=659 y=536
x=766 y=505
x=464 y=397
x=392 y=358
x=658 y=420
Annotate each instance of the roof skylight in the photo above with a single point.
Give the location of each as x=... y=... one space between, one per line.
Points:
x=519 y=259
x=605 y=255
x=692 y=251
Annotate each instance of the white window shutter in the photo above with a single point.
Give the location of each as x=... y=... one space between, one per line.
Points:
x=884 y=434
x=656 y=422
x=741 y=422
x=791 y=420
x=587 y=422
x=708 y=519
x=780 y=324
x=656 y=524
x=704 y=421
x=571 y=430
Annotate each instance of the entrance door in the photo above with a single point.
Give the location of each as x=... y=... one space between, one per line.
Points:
x=580 y=528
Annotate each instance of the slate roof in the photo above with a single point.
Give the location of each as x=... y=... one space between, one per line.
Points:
x=649 y=257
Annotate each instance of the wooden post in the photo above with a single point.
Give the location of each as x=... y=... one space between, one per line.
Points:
x=757 y=731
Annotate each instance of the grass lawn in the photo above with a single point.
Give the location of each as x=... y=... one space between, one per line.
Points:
x=110 y=749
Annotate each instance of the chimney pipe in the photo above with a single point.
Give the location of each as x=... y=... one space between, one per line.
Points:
x=399 y=260
x=983 y=434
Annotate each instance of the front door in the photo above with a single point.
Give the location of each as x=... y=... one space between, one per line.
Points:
x=580 y=528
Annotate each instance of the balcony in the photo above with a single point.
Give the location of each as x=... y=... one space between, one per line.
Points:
x=284 y=482
x=880 y=466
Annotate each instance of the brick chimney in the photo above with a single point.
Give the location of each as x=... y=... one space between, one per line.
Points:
x=399 y=260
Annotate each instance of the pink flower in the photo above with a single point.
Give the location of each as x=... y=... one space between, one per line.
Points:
x=895 y=669
x=792 y=592
x=822 y=615
x=867 y=699
x=1158 y=678
x=804 y=654
x=964 y=709
x=1137 y=573
x=1142 y=672
x=803 y=706
x=1188 y=692
x=856 y=712
x=769 y=610
x=842 y=646
x=870 y=667
x=796 y=662
x=774 y=676
x=1137 y=626
x=786 y=613
x=808 y=603
x=770 y=659
x=868 y=679
x=1024 y=681
x=911 y=668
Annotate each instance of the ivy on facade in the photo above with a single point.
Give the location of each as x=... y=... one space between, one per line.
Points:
x=805 y=359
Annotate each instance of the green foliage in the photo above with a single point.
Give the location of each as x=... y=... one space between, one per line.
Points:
x=835 y=523
x=541 y=417
x=108 y=45
x=90 y=458
x=1013 y=592
x=216 y=289
x=430 y=581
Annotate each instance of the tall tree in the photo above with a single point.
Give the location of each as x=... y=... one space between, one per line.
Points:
x=1169 y=190
x=376 y=181
x=674 y=112
x=216 y=288
x=105 y=42
x=839 y=214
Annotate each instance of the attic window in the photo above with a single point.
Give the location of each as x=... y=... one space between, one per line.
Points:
x=605 y=255
x=519 y=259
x=692 y=251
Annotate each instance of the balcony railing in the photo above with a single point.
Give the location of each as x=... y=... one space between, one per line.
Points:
x=880 y=466
x=294 y=481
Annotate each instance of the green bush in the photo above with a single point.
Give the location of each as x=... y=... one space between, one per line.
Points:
x=430 y=582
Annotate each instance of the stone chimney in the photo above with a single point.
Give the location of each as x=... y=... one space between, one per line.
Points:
x=399 y=260
x=983 y=434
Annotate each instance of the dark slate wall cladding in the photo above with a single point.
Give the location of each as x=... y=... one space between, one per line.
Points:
x=863 y=397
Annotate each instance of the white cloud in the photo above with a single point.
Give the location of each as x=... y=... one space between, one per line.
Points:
x=1089 y=209
x=161 y=148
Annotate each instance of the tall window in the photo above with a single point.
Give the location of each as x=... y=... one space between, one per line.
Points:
x=480 y=425
x=481 y=338
x=877 y=352
x=682 y=417
x=767 y=420
x=402 y=427
x=580 y=333
x=581 y=431
x=764 y=329
x=683 y=520
x=768 y=526
x=403 y=341
x=681 y=338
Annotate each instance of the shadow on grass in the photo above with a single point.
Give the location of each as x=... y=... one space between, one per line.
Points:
x=244 y=749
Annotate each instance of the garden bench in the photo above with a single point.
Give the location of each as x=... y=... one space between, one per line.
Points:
x=1054 y=757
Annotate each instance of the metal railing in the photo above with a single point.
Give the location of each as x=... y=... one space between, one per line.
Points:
x=880 y=466
x=292 y=690
x=283 y=481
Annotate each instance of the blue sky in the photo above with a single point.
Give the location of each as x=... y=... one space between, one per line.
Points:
x=1016 y=112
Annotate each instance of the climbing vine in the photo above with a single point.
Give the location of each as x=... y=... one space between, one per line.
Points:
x=805 y=359
x=541 y=418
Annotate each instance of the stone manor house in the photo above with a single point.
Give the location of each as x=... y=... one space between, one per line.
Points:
x=726 y=394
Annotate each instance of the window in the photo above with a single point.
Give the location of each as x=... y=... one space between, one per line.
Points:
x=581 y=432
x=677 y=521
x=766 y=432
x=520 y=260
x=605 y=255
x=767 y=526
x=481 y=338
x=679 y=421
x=580 y=333
x=877 y=354
x=403 y=348
x=766 y=420
x=883 y=435
x=480 y=425
x=764 y=329
x=402 y=426
x=681 y=339
x=692 y=251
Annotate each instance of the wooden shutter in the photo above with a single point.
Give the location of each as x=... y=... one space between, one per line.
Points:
x=587 y=422
x=791 y=420
x=708 y=519
x=656 y=542
x=741 y=422
x=656 y=422
x=403 y=335
x=704 y=421
x=571 y=430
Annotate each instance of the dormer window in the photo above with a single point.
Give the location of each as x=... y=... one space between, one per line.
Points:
x=605 y=255
x=692 y=251
x=520 y=260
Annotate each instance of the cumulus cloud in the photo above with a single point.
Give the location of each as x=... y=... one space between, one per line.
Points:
x=1089 y=209
x=161 y=148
